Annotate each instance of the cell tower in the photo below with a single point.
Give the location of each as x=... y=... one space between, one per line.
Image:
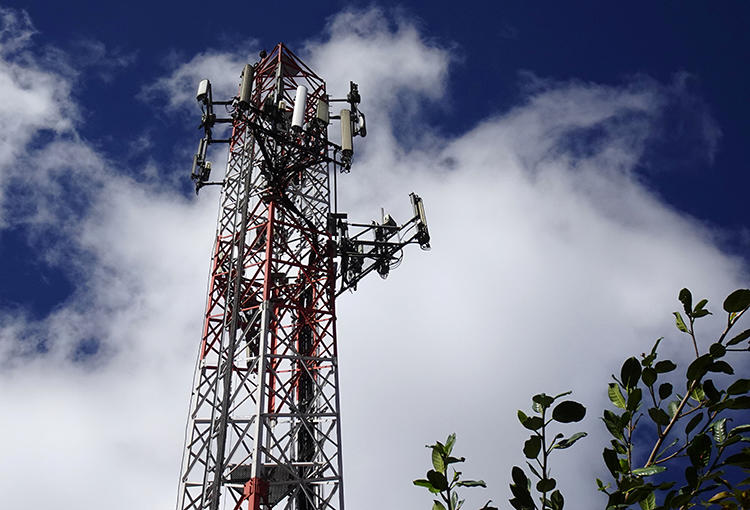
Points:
x=264 y=428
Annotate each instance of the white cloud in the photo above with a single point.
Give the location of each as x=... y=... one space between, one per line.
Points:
x=551 y=263
x=222 y=68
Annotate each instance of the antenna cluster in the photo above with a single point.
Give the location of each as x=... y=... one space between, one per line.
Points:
x=264 y=424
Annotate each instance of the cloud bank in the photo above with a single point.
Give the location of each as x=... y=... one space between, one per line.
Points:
x=552 y=261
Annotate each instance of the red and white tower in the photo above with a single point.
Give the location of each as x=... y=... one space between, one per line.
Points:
x=264 y=425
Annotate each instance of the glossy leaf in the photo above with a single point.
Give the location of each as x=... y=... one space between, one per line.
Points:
x=710 y=390
x=699 y=367
x=472 y=483
x=615 y=395
x=699 y=450
x=449 y=444
x=679 y=322
x=739 y=338
x=672 y=408
x=737 y=301
x=686 y=298
x=546 y=484
x=567 y=443
x=719 y=429
x=612 y=462
x=739 y=387
x=518 y=476
x=634 y=397
x=437 y=480
x=659 y=416
x=568 y=411
x=649 y=502
x=648 y=471
x=664 y=366
x=557 y=500
x=437 y=505
x=630 y=372
x=423 y=483
x=532 y=447
x=541 y=401
x=649 y=376
x=665 y=390
x=612 y=422
x=721 y=366
x=717 y=350
x=437 y=460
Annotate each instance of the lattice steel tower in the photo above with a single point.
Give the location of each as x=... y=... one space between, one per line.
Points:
x=264 y=422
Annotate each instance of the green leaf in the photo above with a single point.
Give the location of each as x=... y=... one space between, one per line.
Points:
x=679 y=322
x=664 y=366
x=437 y=505
x=437 y=460
x=423 y=483
x=699 y=367
x=739 y=429
x=542 y=402
x=717 y=350
x=700 y=313
x=698 y=394
x=634 y=397
x=612 y=462
x=721 y=366
x=719 y=429
x=437 y=480
x=532 y=447
x=737 y=301
x=742 y=336
x=567 y=443
x=739 y=387
x=687 y=300
x=702 y=303
x=449 y=442
x=665 y=390
x=649 y=376
x=568 y=411
x=659 y=416
x=519 y=477
x=648 y=471
x=615 y=395
x=533 y=423
x=546 y=484
x=472 y=483
x=630 y=372
x=612 y=422
x=557 y=500
x=699 y=450
x=649 y=502
x=672 y=408
x=710 y=390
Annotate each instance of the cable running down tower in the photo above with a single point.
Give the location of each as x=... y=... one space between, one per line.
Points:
x=264 y=425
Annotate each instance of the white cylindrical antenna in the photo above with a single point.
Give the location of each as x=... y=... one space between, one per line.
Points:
x=246 y=88
x=322 y=113
x=300 y=103
x=346 y=131
x=204 y=91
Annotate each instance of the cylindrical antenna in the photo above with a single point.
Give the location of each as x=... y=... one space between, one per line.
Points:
x=346 y=131
x=300 y=103
x=246 y=89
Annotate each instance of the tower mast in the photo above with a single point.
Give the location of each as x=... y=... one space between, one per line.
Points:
x=264 y=425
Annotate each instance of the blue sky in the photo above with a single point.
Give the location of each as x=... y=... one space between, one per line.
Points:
x=580 y=162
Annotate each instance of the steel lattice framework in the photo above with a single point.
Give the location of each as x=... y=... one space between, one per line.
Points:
x=264 y=422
